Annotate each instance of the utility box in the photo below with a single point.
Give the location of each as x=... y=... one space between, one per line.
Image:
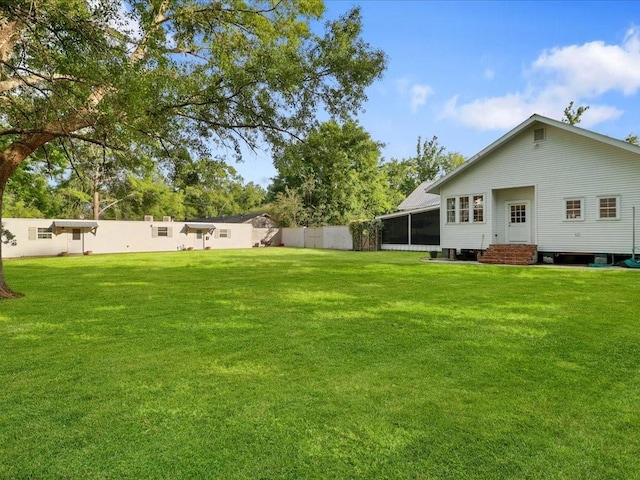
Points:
x=600 y=258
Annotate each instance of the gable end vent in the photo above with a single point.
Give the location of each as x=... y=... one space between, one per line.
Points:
x=538 y=134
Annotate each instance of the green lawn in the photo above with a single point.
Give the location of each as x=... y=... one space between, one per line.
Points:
x=301 y=364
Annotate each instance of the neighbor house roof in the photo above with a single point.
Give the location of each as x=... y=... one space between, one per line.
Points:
x=419 y=198
x=533 y=119
x=244 y=218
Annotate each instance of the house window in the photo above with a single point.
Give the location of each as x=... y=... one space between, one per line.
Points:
x=609 y=208
x=464 y=209
x=478 y=208
x=44 y=233
x=539 y=135
x=224 y=233
x=574 y=209
x=76 y=234
x=451 y=210
x=471 y=209
x=199 y=234
x=161 y=232
x=518 y=213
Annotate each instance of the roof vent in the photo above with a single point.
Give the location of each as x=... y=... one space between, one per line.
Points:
x=148 y=218
x=538 y=134
x=166 y=219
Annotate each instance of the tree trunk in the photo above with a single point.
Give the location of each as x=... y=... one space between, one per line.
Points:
x=10 y=158
x=5 y=291
x=96 y=204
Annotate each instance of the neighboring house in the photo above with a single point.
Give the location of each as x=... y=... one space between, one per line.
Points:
x=554 y=188
x=266 y=230
x=416 y=224
x=42 y=237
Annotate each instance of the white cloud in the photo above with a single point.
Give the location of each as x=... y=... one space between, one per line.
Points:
x=416 y=93
x=579 y=73
x=489 y=74
x=419 y=95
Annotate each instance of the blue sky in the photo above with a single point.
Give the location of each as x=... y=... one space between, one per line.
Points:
x=470 y=71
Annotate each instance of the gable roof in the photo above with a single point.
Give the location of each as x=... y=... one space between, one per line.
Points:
x=535 y=118
x=419 y=198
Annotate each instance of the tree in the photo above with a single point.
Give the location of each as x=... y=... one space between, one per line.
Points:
x=336 y=173
x=141 y=75
x=571 y=116
x=632 y=139
x=288 y=208
x=212 y=188
x=430 y=162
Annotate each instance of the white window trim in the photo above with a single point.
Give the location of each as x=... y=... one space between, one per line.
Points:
x=608 y=219
x=455 y=210
x=582 y=209
x=470 y=209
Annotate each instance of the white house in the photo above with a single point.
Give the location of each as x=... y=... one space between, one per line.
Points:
x=558 y=188
x=46 y=237
x=416 y=224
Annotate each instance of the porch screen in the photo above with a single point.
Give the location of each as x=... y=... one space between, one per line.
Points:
x=425 y=228
x=396 y=230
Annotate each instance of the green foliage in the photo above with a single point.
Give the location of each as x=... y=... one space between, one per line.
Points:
x=6 y=236
x=365 y=234
x=632 y=139
x=571 y=116
x=312 y=364
x=430 y=162
x=186 y=73
x=212 y=188
x=151 y=195
x=29 y=193
x=334 y=173
x=288 y=208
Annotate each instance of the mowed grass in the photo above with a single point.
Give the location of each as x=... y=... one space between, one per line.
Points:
x=307 y=364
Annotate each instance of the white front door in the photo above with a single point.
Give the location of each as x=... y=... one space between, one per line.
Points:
x=518 y=222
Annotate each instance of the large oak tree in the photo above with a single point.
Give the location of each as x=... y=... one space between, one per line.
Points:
x=151 y=76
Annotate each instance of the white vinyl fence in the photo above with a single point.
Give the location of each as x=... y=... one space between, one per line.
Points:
x=334 y=237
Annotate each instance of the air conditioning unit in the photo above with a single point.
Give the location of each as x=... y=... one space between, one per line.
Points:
x=148 y=218
x=166 y=219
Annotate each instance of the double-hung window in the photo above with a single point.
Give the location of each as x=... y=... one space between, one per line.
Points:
x=451 y=210
x=464 y=209
x=609 y=208
x=574 y=209
x=478 y=208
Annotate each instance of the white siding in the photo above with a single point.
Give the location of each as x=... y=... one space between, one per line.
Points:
x=564 y=165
